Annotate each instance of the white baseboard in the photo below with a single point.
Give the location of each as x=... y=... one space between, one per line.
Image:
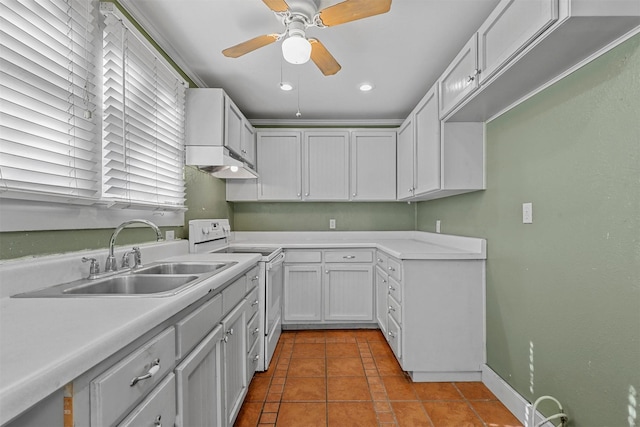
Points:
x=511 y=399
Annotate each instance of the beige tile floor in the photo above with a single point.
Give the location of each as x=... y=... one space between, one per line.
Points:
x=348 y=378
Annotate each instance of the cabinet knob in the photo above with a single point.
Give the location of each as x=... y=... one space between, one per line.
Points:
x=298 y=194
x=326 y=271
x=391 y=288
x=157 y=422
x=155 y=367
x=391 y=309
x=391 y=334
x=354 y=195
x=230 y=332
x=349 y=256
x=256 y=302
x=256 y=357
x=243 y=151
x=391 y=269
x=254 y=278
x=306 y=194
x=255 y=331
x=379 y=260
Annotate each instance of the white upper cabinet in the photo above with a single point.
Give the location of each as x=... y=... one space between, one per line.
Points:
x=427 y=144
x=248 y=146
x=460 y=79
x=326 y=165
x=279 y=157
x=509 y=29
x=373 y=165
x=212 y=119
x=406 y=154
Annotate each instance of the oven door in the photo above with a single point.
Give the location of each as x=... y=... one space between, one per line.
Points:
x=273 y=306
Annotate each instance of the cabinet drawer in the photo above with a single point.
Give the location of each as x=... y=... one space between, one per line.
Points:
x=348 y=256
x=159 y=408
x=253 y=278
x=303 y=256
x=395 y=289
x=394 y=337
x=116 y=390
x=253 y=331
x=395 y=310
x=254 y=303
x=382 y=260
x=394 y=268
x=193 y=328
x=233 y=294
x=253 y=357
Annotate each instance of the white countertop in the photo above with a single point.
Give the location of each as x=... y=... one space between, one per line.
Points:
x=46 y=343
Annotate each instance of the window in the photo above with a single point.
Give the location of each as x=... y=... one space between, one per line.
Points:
x=143 y=120
x=83 y=123
x=49 y=139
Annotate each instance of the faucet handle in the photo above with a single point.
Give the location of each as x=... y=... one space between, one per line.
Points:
x=137 y=256
x=94 y=268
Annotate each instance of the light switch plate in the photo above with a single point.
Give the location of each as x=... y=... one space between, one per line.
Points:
x=332 y=224
x=527 y=213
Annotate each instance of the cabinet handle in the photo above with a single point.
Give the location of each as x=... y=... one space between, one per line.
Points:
x=252 y=305
x=391 y=309
x=349 y=256
x=391 y=269
x=255 y=358
x=255 y=331
x=155 y=367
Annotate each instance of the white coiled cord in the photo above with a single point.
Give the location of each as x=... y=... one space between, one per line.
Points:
x=560 y=415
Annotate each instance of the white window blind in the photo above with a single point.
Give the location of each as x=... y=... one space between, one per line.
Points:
x=49 y=140
x=143 y=120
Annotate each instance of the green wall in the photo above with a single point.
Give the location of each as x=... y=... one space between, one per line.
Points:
x=315 y=216
x=567 y=287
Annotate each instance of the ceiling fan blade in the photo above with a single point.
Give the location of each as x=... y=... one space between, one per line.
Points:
x=323 y=59
x=277 y=5
x=352 y=10
x=250 y=45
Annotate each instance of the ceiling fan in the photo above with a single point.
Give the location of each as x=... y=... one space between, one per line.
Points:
x=297 y=16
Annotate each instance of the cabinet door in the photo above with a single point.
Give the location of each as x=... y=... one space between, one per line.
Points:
x=373 y=165
x=234 y=349
x=326 y=166
x=406 y=156
x=248 y=146
x=512 y=25
x=302 y=293
x=199 y=384
x=158 y=408
x=348 y=292
x=427 y=136
x=382 y=290
x=233 y=124
x=279 y=165
x=460 y=79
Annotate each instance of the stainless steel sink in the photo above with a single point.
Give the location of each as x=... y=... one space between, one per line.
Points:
x=184 y=268
x=131 y=285
x=155 y=280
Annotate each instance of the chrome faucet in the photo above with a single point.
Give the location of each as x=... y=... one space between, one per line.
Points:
x=111 y=264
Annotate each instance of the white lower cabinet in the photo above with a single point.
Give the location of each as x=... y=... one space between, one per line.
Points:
x=329 y=286
x=302 y=293
x=348 y=293
x=434 y=316
x=199 y=381
x=234 y=349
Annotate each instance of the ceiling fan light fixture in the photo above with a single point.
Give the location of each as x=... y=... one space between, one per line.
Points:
x=296 y=49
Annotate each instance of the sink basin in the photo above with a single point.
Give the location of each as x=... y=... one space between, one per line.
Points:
x=131 y=285
x=184 y=268
x=155 y=280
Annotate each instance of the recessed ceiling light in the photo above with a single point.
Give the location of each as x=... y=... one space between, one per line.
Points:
x=286 y=86
x=366 y=87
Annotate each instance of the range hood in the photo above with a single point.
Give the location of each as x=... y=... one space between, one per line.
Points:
x=219 y=162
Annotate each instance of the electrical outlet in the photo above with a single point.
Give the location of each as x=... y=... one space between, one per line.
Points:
x=332 y=224
x=527 y=213
x=437 y=225
x=169 y=235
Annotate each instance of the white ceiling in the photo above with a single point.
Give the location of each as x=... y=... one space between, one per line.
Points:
x=401 y=52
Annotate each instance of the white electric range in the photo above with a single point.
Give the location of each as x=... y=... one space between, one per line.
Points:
x=214 y=235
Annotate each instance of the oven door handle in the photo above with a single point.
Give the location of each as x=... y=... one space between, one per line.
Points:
x=276 y=262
